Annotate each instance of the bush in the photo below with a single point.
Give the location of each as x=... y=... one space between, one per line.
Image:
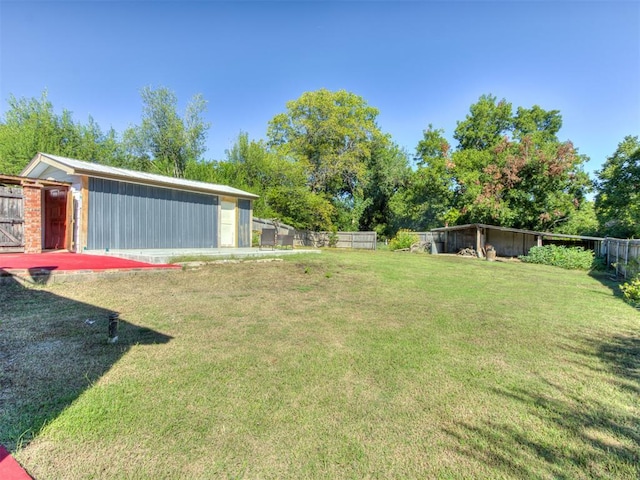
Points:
x=333 y=237
x=571 y=258
x=403 y=239
x=631 y=291
x=255 y=238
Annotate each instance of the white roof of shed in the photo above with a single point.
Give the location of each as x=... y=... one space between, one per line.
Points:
x=71 y=166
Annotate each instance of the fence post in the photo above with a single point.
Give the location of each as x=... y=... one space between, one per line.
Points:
x=626 y=259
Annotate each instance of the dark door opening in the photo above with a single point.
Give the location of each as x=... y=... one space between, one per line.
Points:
x=55 y=218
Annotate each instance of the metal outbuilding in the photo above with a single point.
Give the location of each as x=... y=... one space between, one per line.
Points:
x=116 y=208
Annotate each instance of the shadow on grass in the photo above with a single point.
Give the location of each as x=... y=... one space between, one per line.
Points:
x=609 y=280
x=621 y=354
x=571 y=434
x=51 y=350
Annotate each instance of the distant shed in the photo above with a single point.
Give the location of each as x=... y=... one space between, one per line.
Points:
x=508 y=242
x=116 y=208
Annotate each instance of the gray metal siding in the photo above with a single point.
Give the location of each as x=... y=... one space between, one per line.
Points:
x=244 y=223
x=125 y=215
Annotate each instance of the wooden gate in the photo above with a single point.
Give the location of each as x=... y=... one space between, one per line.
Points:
x=11 y=219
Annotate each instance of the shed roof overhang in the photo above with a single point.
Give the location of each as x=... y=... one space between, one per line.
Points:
x=22 y=181
x=42 y=161
x=515 y=230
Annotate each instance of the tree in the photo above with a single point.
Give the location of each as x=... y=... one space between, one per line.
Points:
x=300 y=207
x=582 y=221
x=164 y=141
x=485 y=125
x=509 y=170
x=31 y=126
x=426 y=199
x=387 y=174
x=333 y=135
x=275 y=176
x=618 y=199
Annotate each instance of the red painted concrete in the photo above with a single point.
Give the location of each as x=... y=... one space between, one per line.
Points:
x=9 y=468
x=65 y=261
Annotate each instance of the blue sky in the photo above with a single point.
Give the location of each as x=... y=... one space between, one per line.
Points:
x=418 y=62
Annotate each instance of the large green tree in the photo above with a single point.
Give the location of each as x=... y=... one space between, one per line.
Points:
x=334 y=135
x=165 y=142
x=618 y=199
x=509 y=169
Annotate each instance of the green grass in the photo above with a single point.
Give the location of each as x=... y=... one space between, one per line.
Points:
x=339 y=365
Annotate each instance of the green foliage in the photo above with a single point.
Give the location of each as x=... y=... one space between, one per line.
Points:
x=618 y=199
x=300 y=208
x=509 y=170
x=327 y=164
x=333 y=237
x=387 y=175
x=255 y=238
x=164 y=140
x=485 y=125
x=403 y=239
x=346 y=158
x=571 y=258
x=332 y=133
x=275 y=176
x=582 y=221
x=428 y=194
x=631 y=291
x=31 y=125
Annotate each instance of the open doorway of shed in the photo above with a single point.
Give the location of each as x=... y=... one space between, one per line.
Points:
x=55 y=218
x=227 y=223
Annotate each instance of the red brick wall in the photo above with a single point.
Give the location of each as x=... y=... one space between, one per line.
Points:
x=32 y=219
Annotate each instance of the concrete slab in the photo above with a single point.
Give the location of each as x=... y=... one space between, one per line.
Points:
x=162 y=256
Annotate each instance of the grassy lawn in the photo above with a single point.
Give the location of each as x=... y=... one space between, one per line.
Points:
x=339 y=365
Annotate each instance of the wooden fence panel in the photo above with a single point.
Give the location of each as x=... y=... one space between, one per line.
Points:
x=358 y=240
x=11 y=219
x=305 y=238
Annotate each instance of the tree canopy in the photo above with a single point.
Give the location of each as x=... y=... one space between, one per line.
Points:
x=326 y=163
x=347 y=158
x=618 y=199
x=30 y=125
x=510 y=170
x=164 y=139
